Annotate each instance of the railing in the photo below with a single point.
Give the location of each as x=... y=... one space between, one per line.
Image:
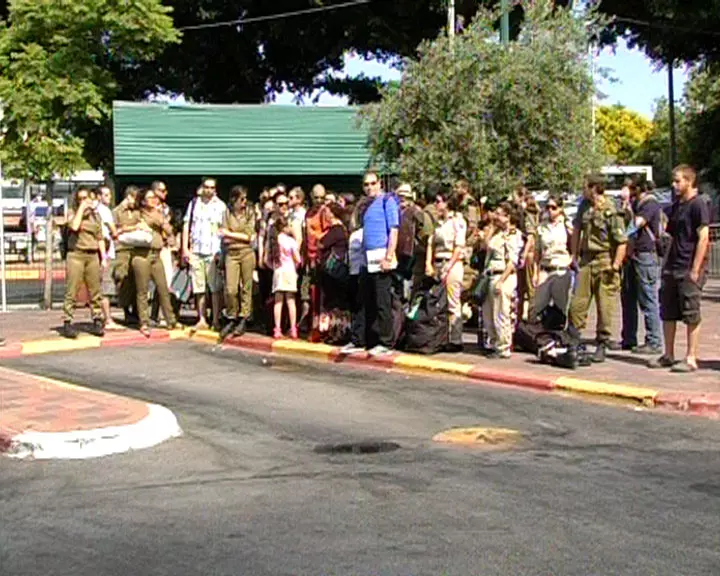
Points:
x=714 y=256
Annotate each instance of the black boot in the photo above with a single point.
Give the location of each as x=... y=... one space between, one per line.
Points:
x=227 y=330
x=98 y=328
x=600 y=350
x=69 y=331
x=240 y=328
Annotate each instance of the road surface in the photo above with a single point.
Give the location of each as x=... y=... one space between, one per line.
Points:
x=254 y=487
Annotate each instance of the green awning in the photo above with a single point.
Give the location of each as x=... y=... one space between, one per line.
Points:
x=197 y=139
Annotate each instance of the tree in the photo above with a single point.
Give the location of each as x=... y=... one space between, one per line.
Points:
x=54 y=78
x=667 y=30
x=622 y=132
x=493 y=115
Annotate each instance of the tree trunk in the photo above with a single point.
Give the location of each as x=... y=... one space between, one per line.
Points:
x=49 y=245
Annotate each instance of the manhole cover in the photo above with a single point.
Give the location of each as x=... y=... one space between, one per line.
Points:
x=357 y=448
x=487 y=437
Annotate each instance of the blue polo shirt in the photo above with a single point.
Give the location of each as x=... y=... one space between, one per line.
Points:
x=381 y=216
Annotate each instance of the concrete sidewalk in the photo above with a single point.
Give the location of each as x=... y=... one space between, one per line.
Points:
x=43 y=418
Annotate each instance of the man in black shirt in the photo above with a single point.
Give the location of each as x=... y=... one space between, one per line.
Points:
x=684 y=273
x=642 y=273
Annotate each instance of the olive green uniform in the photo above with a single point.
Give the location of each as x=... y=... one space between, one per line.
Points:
x=147 y=265
x=602 y=230
x=239 y=264
x=83 y=264
x=470 y=210
x=122 y=270
x=526 y=288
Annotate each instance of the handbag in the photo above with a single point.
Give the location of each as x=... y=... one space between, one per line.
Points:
x=482 y=289
x=181 y=285
x=337 y=268
x=136 y=239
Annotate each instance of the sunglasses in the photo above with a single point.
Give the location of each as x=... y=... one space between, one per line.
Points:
x=282 y=203
x=440 y=200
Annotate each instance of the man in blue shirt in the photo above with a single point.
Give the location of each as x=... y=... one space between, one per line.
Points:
x=380 y=223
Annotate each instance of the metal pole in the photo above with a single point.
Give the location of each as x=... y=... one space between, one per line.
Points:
x=451 y=22
x=3 y=282
x=505 y=21
x=671 y=110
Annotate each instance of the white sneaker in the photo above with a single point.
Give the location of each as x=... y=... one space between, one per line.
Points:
x=351 y=349
x=379 y=350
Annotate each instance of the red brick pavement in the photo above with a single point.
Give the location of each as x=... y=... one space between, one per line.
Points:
x=30 y=403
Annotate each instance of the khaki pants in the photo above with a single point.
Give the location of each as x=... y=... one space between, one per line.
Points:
x=526 y=292
x=239 y=269
x=497 y=312
x=82 y=267
x=146 y=265
x=124 y=278
x=454 y=287
x=596 y=280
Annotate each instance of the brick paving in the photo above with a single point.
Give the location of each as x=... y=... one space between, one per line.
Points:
x=29 y=403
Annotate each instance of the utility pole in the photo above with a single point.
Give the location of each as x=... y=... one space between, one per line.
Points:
x=505 y=22
x=671 y=113
x=451 y=22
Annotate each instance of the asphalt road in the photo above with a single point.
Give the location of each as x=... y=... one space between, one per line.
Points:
x=251 y=490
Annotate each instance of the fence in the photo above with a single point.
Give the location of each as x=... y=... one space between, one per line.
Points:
x=714 y=256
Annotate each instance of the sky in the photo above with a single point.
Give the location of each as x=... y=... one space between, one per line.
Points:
x=636 y=81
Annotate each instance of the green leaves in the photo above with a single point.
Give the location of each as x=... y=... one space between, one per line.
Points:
x=58 y=60
x=495 y=116
x=623 y=133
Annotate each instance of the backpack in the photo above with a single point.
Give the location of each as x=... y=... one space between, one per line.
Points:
x=426 y=324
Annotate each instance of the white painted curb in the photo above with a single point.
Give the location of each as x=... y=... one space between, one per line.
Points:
x=159 y=425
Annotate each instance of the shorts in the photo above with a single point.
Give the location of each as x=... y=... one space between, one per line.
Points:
x=680 y=299
x=285 y=280
x=107 y=281
x=205 y=274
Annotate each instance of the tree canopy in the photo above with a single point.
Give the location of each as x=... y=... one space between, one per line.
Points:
x=494 y=115
x=622 y=133
x=55 y=62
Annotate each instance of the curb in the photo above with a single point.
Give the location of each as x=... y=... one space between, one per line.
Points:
x=706 y=404
x=159 y=425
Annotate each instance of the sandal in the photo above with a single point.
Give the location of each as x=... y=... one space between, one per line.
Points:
x=145 y=331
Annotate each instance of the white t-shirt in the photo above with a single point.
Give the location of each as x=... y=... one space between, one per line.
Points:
x=356 y=253
x=106 y=217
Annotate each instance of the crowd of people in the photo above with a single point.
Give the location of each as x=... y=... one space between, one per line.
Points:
x=347 y=269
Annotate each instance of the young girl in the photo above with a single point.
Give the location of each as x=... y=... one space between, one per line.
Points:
x=285 y=258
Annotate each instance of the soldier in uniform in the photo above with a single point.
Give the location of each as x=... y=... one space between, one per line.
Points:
x=127 y=219
x=238 y=232
x=470 y=210
x=599 y=246
x=528 y=215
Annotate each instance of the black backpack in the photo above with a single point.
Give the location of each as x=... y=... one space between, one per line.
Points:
x=426 y=324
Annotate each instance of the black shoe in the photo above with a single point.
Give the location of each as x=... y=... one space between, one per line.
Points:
x=2 y=342
x=98 y=328
x=227 y=330
x=69 y=331
x=599 y=356
x=240 y=328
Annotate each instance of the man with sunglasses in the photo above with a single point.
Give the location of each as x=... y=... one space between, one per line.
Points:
x=315 y=227
x=380 y=223
x=202 y=249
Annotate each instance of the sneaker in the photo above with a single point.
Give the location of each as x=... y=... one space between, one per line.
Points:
x=497 y=355
x=201 y=325
x=225 y=332
x=351 y=348
x=661 y=362
x=380 y=351
x=646 y=350
x=683 y=367
x=599 y=356
x=277 y=333
x=240 y=328
x=69 y=331
x=98 y=328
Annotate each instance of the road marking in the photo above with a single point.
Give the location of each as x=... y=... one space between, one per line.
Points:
x=479 y=436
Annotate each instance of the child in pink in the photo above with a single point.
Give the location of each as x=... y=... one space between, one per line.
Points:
x=285 y=255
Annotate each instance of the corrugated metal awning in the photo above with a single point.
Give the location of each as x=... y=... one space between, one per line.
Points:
x=196 y=139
